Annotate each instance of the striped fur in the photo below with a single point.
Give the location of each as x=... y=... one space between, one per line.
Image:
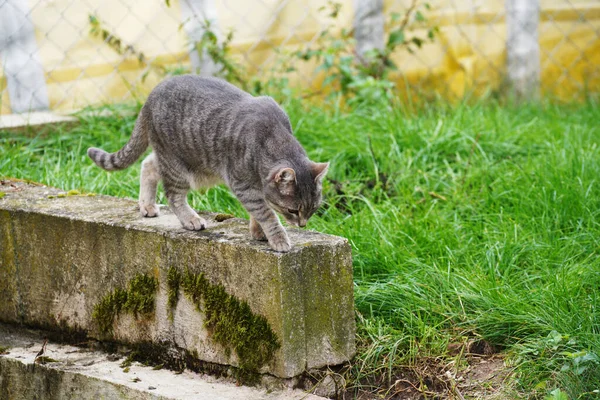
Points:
x=135 y=147
x=204 y=131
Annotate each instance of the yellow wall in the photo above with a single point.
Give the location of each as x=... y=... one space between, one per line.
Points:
x=469 y=52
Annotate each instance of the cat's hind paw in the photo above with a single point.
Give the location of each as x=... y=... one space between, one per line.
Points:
x=149 y=210
x=194 y=223
x=256 y=231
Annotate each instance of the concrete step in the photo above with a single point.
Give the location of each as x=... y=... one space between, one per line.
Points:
x=76 y=372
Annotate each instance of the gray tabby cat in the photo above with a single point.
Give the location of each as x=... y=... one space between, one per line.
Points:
x=205 y=131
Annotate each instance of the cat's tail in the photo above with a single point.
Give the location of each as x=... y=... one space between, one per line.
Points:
x=135 y=147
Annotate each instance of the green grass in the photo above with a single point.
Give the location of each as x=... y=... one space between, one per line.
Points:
x=475 y=220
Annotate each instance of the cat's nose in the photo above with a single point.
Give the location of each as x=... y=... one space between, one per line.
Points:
x=302 y=223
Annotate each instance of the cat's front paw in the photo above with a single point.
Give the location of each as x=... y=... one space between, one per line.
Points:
x=280 y=243
x=149 y=210
x=194 y=223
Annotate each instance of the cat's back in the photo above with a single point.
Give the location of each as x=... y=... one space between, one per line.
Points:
x=194 y=88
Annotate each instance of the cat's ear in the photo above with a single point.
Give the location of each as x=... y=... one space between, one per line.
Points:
x=285 y=176
x=285 y=179
x=319 y=170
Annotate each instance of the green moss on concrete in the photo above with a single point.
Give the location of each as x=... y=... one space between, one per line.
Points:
x=162 y=355
x=141 y=293
x=230 y=321
x=223 y=217
x=107 y=310
x=127 y=362
x=2 y=194
x=137 y=299
x=4 y=350
x=173 y=282
x=70 y=193
x=45 y=360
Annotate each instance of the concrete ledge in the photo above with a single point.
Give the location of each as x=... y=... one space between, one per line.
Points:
x=91 y=264
x=38 y=121
x=82 y=373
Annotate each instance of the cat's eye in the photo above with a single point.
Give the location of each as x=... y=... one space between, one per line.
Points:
x=295 y=212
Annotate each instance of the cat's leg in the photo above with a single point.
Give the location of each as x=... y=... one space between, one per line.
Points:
x=255 y=230
x=148 y=184
x=272 y=228
x=176 y=191
x=263 y=216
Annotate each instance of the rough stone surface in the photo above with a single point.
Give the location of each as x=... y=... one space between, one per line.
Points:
x=329 y=386
x=79 y=373
x=61 y=253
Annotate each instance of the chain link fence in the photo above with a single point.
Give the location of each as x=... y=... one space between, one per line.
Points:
x=66 y=54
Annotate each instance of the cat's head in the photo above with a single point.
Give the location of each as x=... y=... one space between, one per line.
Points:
x=295 y=193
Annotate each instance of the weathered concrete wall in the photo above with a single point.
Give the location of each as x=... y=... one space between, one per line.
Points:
x=62 y=254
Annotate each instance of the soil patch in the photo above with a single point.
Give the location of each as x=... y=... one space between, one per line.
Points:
x=475 y=372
